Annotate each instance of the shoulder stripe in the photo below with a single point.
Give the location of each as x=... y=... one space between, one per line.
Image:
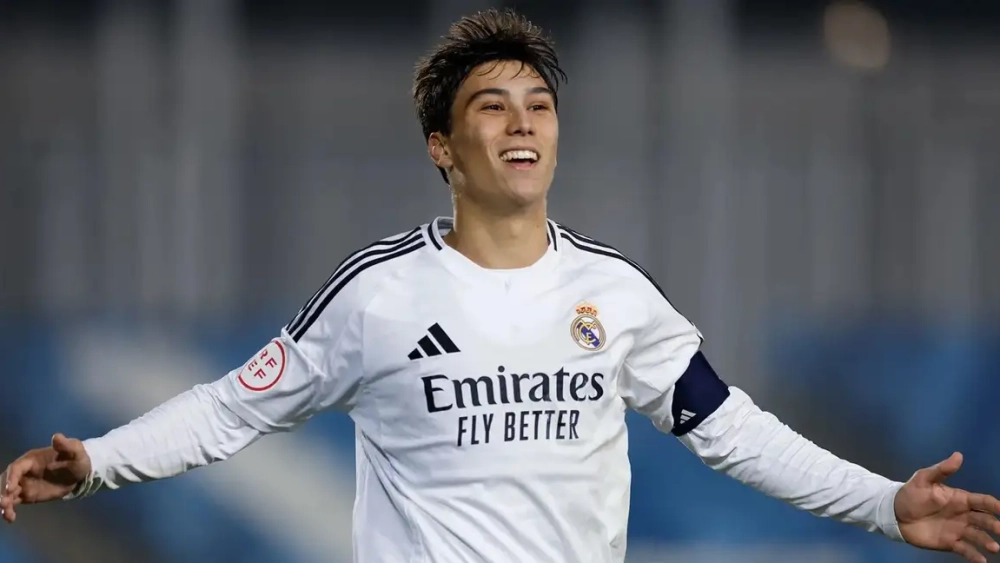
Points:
x=318 y=310
x=378 y=248
x=388 y=241
x=553 y=239
x=588 y=244
x=430 y=235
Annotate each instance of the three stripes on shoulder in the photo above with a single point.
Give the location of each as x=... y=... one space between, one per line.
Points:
x=372 y=255
x=402 y=244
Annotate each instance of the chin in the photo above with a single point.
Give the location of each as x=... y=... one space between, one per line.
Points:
x=527 y=193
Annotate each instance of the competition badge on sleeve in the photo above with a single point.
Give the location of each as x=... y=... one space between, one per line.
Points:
x=265 y=369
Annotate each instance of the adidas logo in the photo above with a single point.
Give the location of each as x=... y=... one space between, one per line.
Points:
x=432 y=344
x=686 y=415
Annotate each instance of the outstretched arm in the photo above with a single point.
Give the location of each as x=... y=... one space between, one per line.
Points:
x=667 y=378
x=194 y=429
x=314 y=365
x=191 y=430
x=732 y=435
x=755 y=448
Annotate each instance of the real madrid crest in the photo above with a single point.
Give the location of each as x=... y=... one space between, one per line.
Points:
x=586 y=330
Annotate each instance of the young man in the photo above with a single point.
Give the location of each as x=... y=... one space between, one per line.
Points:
x=488 y=360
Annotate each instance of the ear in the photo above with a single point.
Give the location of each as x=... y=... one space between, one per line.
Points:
x=440 y=153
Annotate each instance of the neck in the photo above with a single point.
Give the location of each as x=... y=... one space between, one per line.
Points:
x=499 y=242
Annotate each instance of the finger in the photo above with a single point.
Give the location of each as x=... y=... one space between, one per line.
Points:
x=28 y=496
x=9 y=515
x=966 y=550
x=14 y=473
x=6 y=497
x=9 y=492
x=981 y=539
x=64 y=446
x=940 y=471
x=59 y=465
x=984 y=503
x=14 y=493
x=985 y=521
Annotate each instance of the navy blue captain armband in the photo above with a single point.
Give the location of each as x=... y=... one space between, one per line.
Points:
x=697 y=394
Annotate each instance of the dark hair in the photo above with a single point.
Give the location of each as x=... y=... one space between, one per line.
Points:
x=487 y=36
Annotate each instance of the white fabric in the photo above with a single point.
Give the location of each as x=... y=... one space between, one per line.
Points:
x=512 y=448
x=191 y=430
x=755 y=448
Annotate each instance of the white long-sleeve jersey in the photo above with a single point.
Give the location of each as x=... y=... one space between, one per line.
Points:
x=490 y=405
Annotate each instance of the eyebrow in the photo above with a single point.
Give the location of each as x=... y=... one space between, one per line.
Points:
x=505 y=92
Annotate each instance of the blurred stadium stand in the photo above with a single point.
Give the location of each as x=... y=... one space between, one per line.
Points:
x=177 y=177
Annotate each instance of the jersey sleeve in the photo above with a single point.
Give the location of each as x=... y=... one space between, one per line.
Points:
x=666 y=376
x=314 y=364
x=190 y=430
x=755 y=448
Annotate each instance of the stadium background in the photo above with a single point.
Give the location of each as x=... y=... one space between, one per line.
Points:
x=815 y=185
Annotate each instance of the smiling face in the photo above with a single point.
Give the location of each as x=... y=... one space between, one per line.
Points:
x=501 y=151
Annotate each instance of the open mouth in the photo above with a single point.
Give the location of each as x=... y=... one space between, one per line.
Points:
x=520 y=159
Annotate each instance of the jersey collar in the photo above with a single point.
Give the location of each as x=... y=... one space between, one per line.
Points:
x=461 y=266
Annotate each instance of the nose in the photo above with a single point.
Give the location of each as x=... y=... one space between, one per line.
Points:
x=519 y=122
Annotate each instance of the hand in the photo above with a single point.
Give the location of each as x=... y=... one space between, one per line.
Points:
x=935 y=516
x=44 y=474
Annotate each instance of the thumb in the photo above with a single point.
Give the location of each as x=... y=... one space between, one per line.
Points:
x=940 y=471
x=64 y=446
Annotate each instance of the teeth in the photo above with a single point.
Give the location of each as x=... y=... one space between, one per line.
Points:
x=519 y=155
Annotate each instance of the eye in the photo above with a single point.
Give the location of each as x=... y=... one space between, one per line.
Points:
x=538 y=107
x=493 y=106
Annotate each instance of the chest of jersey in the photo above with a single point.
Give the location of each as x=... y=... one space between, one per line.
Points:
x=496 y=371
